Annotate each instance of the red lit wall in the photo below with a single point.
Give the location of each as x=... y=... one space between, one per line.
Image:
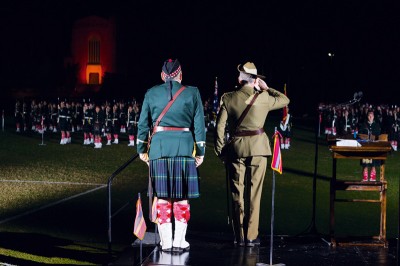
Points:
x=84 y=30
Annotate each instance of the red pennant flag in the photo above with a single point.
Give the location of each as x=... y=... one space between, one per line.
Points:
x=140 y=227
x=276 y=163
x=154 y=211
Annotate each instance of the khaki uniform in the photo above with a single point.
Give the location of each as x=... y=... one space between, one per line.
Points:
x=247 y=155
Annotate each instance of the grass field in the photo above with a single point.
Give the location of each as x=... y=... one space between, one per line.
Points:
x=53 y=201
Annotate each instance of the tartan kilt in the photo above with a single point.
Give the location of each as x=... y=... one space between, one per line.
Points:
x=97 y=128
x=175 y=178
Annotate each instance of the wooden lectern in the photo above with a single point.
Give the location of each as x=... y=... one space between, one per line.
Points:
x=370 y=150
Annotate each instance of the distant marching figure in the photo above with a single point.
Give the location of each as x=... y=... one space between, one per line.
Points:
x=116 y=127
x=63 y=115
x=108 y=124
x=87 y=123
x=98 y=118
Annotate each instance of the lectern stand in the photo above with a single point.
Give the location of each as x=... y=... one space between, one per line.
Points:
x=377 y=150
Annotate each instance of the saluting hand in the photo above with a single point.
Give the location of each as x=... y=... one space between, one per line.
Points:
x=261 y=84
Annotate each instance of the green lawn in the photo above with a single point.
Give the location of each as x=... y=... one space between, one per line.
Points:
x=41 y=205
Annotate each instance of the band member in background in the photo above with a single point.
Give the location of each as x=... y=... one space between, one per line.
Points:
x=108 y=124
x=122 y=117
x=116 y=127
x=32 y=115
x=133 y=118
x=87 y=124
x=98 y=122
x=69 y=120
x=63 y=122
x=78 y=116
x=285 y=128
x=25 y=116
x=72 y=110
x=130 y=126
x=18 y=117
x=179 y=147
x=39 y=116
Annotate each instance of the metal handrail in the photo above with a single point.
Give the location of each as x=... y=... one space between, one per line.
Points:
x=110 y=179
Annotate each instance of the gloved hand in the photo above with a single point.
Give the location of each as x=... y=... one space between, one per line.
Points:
x=199 y=160
x=144 y=157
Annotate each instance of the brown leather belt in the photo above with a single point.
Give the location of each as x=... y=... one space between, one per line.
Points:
x=160 y=128
x=245 y=133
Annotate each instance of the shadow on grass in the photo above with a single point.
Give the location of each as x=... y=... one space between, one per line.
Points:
x=38 y=249
x=307 y=174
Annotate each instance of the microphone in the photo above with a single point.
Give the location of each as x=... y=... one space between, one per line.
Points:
x=357 y=95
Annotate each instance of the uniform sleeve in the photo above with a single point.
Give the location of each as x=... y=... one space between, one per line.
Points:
x=199 y=126
x=219 y=139
x=143 y=127
x=277 y=99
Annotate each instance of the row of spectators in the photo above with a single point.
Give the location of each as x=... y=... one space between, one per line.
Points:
x=344 y=120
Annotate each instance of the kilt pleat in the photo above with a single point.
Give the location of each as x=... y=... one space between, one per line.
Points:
x=175 y=177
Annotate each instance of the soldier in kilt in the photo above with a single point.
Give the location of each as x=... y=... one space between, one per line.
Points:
x=25 y=115
x=70 y=112
x=87 y=124
x=108 y=124
x=53 y=117
x=98 y=123
x=133 y=116
x=116 y=127
x=63 y=122
x=78 y=116
x=176 y=149
x=39 y=117
x=122 y=117
x=18 y=117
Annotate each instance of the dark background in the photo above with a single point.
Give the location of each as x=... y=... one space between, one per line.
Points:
x=289 y=42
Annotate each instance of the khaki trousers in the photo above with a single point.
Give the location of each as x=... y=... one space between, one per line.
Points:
x=246 y=182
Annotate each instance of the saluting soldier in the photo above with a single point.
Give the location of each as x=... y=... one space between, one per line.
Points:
x=98 y=122
x=249 y=148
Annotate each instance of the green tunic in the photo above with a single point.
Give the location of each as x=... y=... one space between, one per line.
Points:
x=187 y=111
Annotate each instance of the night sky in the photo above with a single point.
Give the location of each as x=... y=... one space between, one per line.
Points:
x=289 y=42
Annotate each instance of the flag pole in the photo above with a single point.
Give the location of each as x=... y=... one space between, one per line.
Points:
x=141 y=250
x=276 y=148
x=42 y=125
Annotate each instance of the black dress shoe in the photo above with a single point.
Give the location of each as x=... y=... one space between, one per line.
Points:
x=240 y=244
x=254 y=242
